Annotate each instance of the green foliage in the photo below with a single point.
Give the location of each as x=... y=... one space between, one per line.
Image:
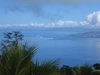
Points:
x=96 y=66
x=66 y=70
x=95 y=72
x=46 y=68
x=15 y=60
x=82 y=70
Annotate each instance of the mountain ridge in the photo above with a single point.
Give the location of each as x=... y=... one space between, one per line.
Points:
x=87 y=35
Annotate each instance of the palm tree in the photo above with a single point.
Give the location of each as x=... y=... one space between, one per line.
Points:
x=15 y=60
x=18 y=61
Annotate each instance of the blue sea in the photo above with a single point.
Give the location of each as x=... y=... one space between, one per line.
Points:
x=71 y=51
x=54 y=44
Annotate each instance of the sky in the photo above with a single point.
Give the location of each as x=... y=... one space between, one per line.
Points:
x=50 y=13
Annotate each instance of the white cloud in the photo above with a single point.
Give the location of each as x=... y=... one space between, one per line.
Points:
x=36 y=25
x=91 y=20
x=61 y=23
x=94 y=17
x=84 y=23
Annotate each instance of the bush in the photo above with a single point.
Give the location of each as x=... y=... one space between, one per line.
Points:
x=82 y=70
x=95 y=72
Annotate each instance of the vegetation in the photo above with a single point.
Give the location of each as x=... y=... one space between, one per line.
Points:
x=96 y=66
x=66 y=70
x=16 y=59
x=82 y=70
x=95 y=72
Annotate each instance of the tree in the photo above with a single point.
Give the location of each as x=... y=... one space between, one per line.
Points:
x=66 y=70
x=96 y=66
x=16 y=58
x=11 y=38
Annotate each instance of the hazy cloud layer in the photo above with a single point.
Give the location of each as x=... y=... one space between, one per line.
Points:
x=91 y=20
x=36 y=6
x=12 y=8
x=36 y=2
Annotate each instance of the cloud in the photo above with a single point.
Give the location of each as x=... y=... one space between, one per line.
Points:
x=91 y=20
x=36 y=7
x=94 y=18
x=12 y=8
x=60 y=23
x=38 y=2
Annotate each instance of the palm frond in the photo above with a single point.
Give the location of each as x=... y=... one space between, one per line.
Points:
x=15 y=60
x=46 y=67
x=82 y=70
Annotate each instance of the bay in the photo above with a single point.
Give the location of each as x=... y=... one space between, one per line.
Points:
x=70 y=51
x=53 y=44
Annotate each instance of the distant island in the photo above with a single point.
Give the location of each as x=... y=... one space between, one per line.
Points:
x=87 y=35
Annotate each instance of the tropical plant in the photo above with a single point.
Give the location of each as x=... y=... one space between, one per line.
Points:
x=14 y=61
x=82 y=70
x=95 y=72
x=66 y=70
x=16 y=58
x=46 y=67
x=96 y=66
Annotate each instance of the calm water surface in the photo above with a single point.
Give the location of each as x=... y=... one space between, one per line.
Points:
x=71 y=51
x=53 y=44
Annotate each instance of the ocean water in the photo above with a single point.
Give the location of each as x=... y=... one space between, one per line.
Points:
x=70 y=51
x=54 y=44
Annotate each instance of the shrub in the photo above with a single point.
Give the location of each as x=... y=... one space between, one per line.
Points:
x=95 y=72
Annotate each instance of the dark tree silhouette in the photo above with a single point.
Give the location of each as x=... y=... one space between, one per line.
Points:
x=66 y=70
x=96 y=66
x=10 y=38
